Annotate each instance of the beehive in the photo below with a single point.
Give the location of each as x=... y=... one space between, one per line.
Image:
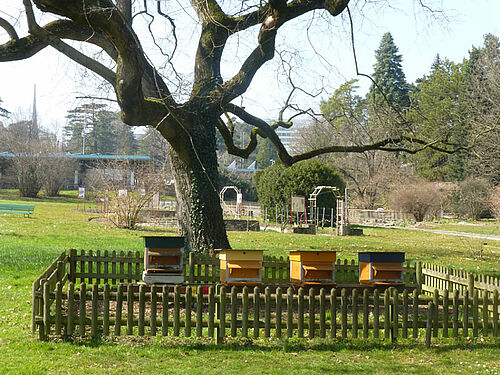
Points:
x=163 y=260
x=241 y=267
x=381 y=268
x=312 y=267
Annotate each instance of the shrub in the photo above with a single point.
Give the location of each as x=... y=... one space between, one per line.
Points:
x=471 y=198
x=495 y=202
x=419 y=198
x=276 y=184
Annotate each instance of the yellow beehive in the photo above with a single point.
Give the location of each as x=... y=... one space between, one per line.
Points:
x=381 y=268
x=312 y=267
x=241 y=267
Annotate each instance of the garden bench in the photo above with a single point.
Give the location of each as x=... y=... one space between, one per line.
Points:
x=25 y=209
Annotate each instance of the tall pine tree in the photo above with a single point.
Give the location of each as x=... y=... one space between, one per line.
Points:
x=389 y=76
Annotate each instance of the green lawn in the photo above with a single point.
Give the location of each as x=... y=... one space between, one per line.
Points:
x=28 y=245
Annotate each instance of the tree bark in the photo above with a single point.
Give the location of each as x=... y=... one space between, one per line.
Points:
x=196 y=181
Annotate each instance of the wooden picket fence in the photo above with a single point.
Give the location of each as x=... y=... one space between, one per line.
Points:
x=92 y=294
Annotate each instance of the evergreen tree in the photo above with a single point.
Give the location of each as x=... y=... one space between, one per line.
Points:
x=438 y=113
x=266 y=155
x=92 y=129
x=389 y=76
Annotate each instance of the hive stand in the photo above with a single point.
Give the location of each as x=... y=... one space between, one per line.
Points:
x=312 y=267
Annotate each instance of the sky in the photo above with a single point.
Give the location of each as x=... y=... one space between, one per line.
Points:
x=325 y=50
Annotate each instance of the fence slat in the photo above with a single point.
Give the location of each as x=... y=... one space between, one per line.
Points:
x=199 y=311
x=279 y=301
x=58 y=311
x=354 y=313
x=387 y=315
x=475 y=314
x=404 y=317
x=189 y=305
x=211 y=311
x=142 y=309
x=428 y=330
x=446 y=304
x=130 y=308
x=485 y=314
x=105 y=317
x=289 y=312
x=177 y=310
x=322 y=313
x=71 y=309
x=465 y=314
x=82 y=306
x=154 y=305
x=455 y=313
x=119 y=307
x=312 y=319
x=300 y=312
x=267 y=316
x=244 y=312
x=435 y=321
x=333 y=313
x=415 y=313
x=376 y=313
x=234 y=311
x=343 y=298
x=495 y=313
x=256 y=311
x=366 y=313
x=164 y=311
x=95 y=305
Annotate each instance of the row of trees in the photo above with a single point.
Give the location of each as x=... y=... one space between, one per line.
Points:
x=456 y=103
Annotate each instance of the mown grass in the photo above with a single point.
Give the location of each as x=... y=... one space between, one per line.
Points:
x=29 y=245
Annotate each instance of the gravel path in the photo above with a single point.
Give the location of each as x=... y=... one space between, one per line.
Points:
x=460 y=234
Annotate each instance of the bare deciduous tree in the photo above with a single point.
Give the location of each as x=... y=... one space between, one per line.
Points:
x=188 y=118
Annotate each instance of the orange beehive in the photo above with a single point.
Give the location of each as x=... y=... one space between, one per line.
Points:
x=312 y=267
x=241 y=267
x=381 y=268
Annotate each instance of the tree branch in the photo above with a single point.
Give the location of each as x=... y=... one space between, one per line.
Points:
x=4 y=24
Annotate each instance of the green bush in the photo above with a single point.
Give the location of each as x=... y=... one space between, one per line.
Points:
x=276 y=184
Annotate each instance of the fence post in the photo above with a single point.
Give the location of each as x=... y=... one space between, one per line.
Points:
x=46 y=308
x=72 y=265
x=177 y=308
x=485 y=313
x=376 y=313
x=105 y=319
x=130 y=308
x=395 y=315
x=71 y=307
x=222 y=315
x=387 y=315
x=435 y=329
x=322 y=303
x=311 y=314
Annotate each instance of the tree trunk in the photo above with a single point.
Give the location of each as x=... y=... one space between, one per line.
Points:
x=196 y=185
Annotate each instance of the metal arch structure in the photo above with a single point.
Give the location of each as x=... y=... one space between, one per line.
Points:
x=341 y=206
x=223 y=204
